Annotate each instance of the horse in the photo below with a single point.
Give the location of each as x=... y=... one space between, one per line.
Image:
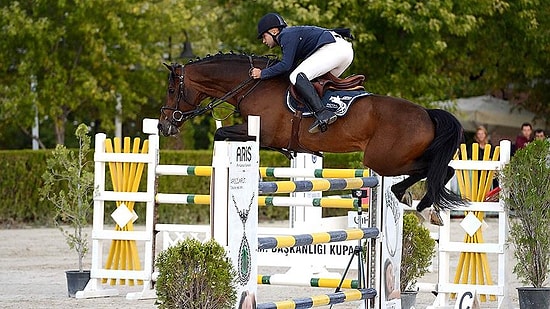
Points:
x=396 y=136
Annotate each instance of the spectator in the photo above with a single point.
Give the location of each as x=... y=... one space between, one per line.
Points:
x=525 y=137
x=482 y=138
x=540 y=135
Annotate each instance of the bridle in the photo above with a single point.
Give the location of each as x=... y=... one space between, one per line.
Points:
x=179 y=116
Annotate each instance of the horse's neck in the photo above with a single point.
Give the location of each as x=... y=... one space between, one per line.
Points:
x=215 y=82
x=218 y=79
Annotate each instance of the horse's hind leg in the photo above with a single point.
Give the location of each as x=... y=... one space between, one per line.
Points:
x=426 y=201
x=399 y=189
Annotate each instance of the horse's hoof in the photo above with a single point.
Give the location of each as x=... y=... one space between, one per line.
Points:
x=435 y=218
x=407 y=199
x=422 y=215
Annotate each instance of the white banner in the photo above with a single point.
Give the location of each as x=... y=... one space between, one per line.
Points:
x=243 y=217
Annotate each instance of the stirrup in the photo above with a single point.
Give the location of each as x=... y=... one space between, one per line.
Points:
x=322 y=125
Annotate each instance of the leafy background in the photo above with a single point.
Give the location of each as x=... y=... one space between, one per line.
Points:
x=83 y=56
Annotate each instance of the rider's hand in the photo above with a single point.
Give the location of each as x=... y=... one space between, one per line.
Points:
x=255 y=73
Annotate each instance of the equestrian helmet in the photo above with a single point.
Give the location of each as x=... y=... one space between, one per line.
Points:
x=268 y=21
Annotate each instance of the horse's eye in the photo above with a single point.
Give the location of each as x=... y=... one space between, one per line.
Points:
x=171 y=90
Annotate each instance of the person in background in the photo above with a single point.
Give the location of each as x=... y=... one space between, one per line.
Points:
x=525 y=137
x=540 y=135
x=482 y=138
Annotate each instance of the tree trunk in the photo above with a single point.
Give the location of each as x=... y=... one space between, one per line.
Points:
x=60 y=122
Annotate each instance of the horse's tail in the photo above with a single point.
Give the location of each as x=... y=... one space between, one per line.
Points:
x=448 y=136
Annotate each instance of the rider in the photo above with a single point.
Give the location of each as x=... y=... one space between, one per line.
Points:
x=320 y=51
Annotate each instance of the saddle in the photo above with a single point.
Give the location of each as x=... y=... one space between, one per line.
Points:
x=329 y=81
x=336 y=94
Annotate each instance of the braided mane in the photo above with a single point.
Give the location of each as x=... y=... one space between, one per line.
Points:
x=231 y=56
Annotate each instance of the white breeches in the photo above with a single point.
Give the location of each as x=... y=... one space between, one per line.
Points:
x=334 y=58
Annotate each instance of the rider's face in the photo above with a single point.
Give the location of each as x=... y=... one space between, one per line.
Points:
x=268 y=39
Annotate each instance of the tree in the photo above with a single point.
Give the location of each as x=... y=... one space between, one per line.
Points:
x=69 y=186
x=424 y=51
x=83 y=55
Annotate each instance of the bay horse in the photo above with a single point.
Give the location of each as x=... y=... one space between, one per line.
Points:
x=396 y=136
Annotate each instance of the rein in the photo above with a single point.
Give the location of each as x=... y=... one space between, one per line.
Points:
x=214 y=102
x=179 y=116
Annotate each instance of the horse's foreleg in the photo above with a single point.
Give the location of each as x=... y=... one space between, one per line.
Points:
x=237 y=132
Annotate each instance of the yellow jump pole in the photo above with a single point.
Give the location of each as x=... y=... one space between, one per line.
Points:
x=113 y=169
x=125 y=176
x=136 y=170
x=473 y=267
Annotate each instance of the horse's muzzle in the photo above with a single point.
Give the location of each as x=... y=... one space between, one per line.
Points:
x=167 y=129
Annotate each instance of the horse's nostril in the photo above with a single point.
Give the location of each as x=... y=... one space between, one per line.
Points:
x=159 y=126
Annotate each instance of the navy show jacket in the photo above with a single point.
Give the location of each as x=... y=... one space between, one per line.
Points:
x=297 y=43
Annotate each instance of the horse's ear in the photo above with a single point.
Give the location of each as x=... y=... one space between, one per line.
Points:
x=169 y=67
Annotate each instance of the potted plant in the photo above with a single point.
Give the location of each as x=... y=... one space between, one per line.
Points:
x=526 y=193
x=418 y=249
x=195 y=275
x=68 y=185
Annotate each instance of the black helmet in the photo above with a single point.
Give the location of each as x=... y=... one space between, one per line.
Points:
x=268 y=21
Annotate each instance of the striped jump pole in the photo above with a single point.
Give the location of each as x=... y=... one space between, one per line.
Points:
x=282 y=172
x=183 y=170
x=287 y=241
x=324 y=202
x=278 y=201
x=269 y=187
x=321 y=300
x=182 y=199
x=289 y=172
x=282 y=279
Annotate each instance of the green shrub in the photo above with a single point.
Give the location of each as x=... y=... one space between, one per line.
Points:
x=22 y=170
x=193 y=275
x=21 y=177
x=526 y=187
x=418 y=249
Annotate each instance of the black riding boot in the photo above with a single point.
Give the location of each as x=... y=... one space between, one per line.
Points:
x=308 y=93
